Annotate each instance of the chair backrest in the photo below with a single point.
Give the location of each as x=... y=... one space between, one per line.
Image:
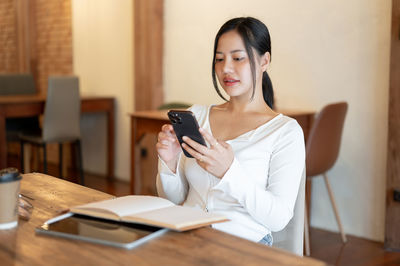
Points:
x=323 y=143
x=292 y=236
x=62 y=110
x=16 y=84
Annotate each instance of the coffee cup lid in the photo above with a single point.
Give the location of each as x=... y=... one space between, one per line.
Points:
x=9 y=175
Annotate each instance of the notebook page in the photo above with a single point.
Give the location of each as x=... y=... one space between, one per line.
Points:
x=128 y=205
x=176 y=217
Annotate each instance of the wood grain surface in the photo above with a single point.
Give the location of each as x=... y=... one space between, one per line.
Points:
x=205 y=246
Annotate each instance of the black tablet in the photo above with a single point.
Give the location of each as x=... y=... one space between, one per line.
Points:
x=100 y=231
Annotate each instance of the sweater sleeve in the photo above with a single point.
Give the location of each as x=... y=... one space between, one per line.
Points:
x=271 y=206
x=173 y=187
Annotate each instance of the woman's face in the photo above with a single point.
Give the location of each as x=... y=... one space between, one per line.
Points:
x=232 y=66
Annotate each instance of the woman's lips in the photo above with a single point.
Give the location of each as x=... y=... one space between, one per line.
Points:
x=230 y=82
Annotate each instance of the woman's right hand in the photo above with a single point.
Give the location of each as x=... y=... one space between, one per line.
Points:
x=168 y=147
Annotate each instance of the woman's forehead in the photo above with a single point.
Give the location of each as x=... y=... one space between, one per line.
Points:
x=230 y=41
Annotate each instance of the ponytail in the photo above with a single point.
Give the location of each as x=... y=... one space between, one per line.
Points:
x=267 y=89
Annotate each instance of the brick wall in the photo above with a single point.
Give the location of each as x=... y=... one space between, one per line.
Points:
x=8 y=37
x=53 y=40
x=50 y=37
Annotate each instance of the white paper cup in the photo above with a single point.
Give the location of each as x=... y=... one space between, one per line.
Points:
x=9 y=192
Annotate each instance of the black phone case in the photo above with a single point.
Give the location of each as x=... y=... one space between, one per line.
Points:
x=185 y=124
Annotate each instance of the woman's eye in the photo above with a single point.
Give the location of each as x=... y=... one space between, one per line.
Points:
x=219 y=60
x=238 y=58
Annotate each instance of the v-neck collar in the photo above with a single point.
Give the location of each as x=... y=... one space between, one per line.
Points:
x=246 y=136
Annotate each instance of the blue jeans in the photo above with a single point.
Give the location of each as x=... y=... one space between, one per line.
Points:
x=267 y=240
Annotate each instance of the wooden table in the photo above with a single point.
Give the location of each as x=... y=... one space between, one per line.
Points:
x=205 y=246
x=144 y=122
x=31 y=105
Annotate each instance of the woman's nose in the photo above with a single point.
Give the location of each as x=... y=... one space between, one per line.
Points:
x=227 y=67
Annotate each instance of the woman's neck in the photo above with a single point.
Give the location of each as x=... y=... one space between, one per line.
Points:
x=240 y=105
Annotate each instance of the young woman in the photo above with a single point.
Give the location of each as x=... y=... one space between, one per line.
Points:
x=251 y=169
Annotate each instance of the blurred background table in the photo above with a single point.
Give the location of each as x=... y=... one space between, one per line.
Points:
x=31 y=105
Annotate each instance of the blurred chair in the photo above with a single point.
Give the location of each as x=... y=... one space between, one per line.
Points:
x=174 y=105
x=61 y=120
x=18 y=84
x=291 y=237
x=322 y=149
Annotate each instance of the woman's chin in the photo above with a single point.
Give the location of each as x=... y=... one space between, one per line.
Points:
x=235 y=92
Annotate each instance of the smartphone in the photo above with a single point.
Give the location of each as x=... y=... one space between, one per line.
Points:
x=185 y=124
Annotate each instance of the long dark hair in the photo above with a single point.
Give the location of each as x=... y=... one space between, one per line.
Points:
x=255 y=35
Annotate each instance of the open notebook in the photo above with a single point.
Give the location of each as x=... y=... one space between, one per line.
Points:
x=149 y=210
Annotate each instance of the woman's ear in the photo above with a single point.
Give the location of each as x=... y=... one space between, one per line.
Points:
x=265 y=59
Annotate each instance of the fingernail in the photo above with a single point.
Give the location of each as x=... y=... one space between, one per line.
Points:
x=184 y=138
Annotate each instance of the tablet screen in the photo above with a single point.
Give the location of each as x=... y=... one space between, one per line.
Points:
x=100 y=231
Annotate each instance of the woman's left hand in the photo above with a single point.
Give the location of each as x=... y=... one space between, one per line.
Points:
x=216 y=160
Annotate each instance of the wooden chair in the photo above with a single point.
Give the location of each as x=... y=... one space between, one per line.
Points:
x=322 y=149
x=61 y=120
